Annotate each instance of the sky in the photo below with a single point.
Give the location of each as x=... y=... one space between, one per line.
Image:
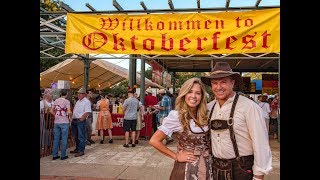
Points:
x=106 y=5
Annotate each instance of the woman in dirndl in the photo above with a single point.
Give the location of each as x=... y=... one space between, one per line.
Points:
x=189 y=122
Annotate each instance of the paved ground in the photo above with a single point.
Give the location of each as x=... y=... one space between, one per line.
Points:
x=114 y=162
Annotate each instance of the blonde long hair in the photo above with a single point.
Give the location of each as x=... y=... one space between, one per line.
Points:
x=183 y=109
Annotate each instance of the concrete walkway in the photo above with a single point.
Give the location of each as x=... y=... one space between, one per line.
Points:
x=114 y=162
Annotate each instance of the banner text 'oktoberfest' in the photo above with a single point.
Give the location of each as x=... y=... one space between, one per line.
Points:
x=256 y=31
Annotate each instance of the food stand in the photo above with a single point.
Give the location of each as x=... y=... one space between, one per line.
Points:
x=117 y=122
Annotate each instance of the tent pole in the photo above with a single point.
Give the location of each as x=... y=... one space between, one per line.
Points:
x=279 y=90
x=130 y=71
x=134 y=70
x=173 y=81
x=86 y=63
x=142 y=81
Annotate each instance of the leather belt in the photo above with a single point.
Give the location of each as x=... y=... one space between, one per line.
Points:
x=195 y=152
x=219 y=124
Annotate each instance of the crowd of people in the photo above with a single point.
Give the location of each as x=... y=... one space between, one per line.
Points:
x=75 y=114
x=226 y=137
x=271 y=110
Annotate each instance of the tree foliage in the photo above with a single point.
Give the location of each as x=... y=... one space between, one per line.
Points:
x=118 y=89
x=47 y=63
x=181 y=77
x=256 y=75
x=148 y=73
x=51 y=5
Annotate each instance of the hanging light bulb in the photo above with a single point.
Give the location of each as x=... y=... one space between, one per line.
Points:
x=72 y=82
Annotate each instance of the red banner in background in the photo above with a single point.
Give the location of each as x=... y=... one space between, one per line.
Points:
x=167 y=79
x=270 y=83
x=156 y=72
x=117 y=122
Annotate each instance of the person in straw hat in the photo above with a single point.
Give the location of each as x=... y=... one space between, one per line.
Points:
x=239 y=137
x=80 y=113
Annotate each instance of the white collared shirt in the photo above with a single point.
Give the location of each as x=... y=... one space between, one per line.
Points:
x=250 y=132
x=171 y=124
x=265 y=109
x=82 y=106
x=43 y=102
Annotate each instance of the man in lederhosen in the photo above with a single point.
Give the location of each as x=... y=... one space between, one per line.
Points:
x=239 y=137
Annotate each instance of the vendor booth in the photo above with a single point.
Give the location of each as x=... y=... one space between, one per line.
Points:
x=117 y=122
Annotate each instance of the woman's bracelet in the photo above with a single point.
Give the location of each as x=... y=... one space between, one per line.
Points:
x=255 y=178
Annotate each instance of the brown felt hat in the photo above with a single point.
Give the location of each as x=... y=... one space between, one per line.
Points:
x=221 y=69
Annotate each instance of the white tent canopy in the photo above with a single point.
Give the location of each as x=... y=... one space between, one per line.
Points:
x=102 y=74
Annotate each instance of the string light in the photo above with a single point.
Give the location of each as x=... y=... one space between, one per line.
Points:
x=72 y=82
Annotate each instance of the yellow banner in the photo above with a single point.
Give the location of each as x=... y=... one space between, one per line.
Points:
x=256 y=31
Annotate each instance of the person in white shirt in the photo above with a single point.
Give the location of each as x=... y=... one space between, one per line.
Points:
x=46 y=102
x=265 y=106
x=189 y=122
x=239 y=137
x=80 y=113
x=259 y=99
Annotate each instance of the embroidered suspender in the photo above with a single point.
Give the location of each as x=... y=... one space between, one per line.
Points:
x=212 y=111
x=223 y=124
x=230 y=123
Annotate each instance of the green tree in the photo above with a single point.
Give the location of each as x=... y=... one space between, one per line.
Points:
x=47 y=63
x=118 y=89
x=181 y=77
x=51 y=5
x=256 y=75
x=148 y=73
